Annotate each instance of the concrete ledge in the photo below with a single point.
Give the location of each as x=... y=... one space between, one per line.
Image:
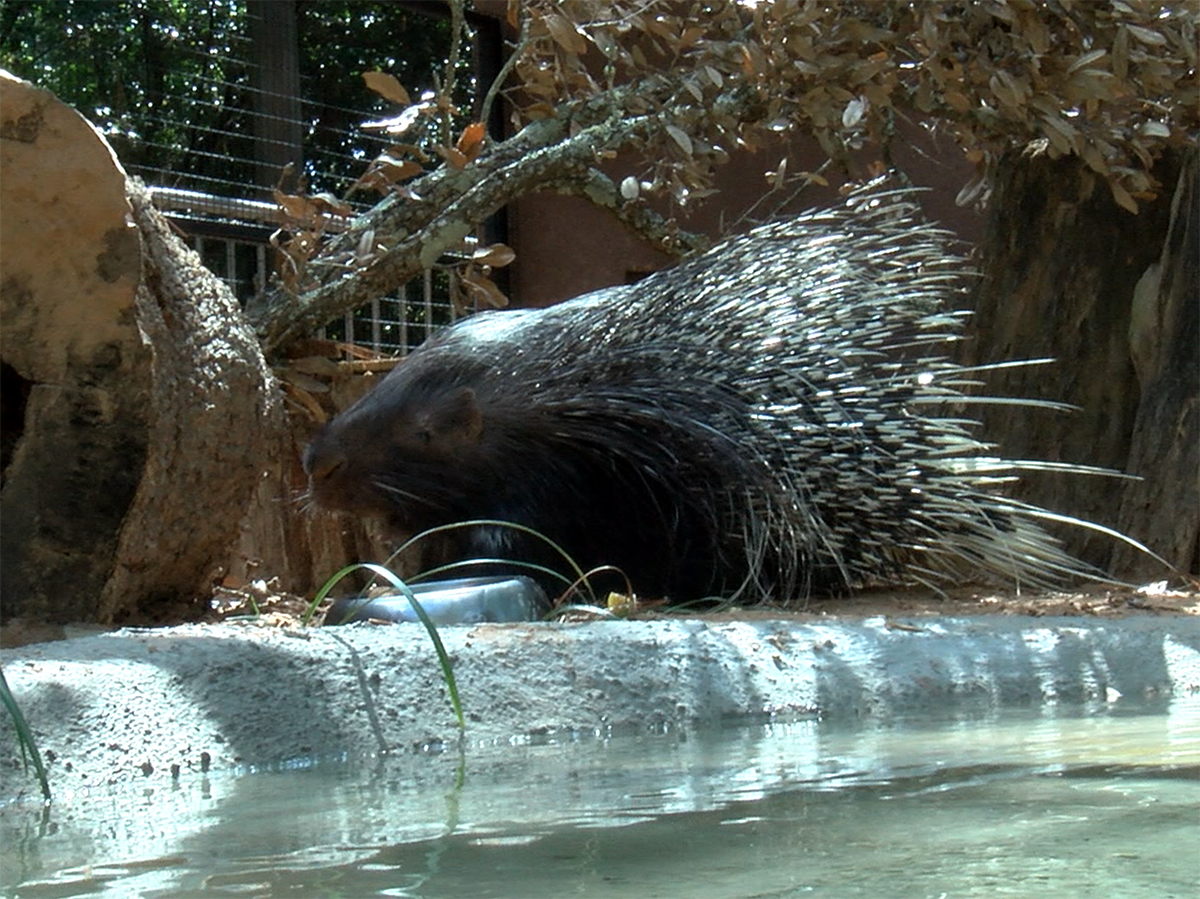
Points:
x=132 y=704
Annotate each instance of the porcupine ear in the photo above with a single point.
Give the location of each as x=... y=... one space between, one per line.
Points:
x=452 y=420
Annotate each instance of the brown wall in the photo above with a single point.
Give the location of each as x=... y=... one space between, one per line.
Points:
x=565 y=246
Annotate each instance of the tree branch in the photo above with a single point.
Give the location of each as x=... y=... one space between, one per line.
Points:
x=485 y=111
x=662 y=233
x=416 y=233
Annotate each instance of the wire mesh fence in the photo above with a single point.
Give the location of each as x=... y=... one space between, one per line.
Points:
x=208 y=101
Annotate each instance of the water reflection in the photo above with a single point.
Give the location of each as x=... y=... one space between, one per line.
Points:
x=1052 y=802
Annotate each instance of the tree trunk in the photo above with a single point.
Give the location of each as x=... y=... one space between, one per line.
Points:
x=1063 y=270
x=1164 y=507
x=145 y=416
x=76 y=385
x=218 y=430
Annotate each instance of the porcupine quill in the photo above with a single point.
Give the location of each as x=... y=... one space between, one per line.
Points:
x=768 y=419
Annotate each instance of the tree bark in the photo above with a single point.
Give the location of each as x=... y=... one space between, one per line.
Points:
x=409 y=235
x=76 y=385
x=1164 y=507
x=218 y=430
x=1061 y=267
x=149 y=417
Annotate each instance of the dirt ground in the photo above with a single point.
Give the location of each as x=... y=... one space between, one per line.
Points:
x=1098 y=601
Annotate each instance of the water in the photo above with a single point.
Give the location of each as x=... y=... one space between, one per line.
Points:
x=1041 y=803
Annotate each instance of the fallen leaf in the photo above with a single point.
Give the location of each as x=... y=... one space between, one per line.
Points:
x=565 y=35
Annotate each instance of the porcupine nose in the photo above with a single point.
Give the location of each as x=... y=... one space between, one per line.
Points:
x=321 y=461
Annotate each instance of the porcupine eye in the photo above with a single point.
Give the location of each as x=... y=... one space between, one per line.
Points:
x=447 y=424
x=414 y=434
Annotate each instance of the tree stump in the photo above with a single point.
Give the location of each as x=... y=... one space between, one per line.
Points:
x=140 y=416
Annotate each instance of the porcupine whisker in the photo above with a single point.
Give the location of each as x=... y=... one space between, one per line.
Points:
x=408 y=495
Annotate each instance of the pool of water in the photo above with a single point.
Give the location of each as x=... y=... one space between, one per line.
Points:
x=1047 y=802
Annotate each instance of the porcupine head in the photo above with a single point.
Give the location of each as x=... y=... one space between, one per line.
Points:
x=402 y=451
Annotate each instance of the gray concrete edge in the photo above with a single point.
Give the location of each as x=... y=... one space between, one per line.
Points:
x=137 y=705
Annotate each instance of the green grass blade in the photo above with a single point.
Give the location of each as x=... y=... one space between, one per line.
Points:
x=422 y=616
x=24 y=735
x=496 y=522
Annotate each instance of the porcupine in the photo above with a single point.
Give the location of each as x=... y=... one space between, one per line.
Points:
x=770 y=418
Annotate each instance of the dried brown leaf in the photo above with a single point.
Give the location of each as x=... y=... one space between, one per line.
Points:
x=1094 y=159
x=327 y=203
x=301 y=380
x=482 y=291
x=318 y=366
x=298 y=209
x=1086 y=60
x=1155 y=129
x=471 y=141
x=1120 y=63
x=365 y=249
x=565 y=34
x=400 y=171
x=778 y=177
x=1147 y=36
x=1062 y=136
x=497 y=255
x=853 y=112
x=690 y=36
x=385 y=170
x=1008 y=90
x=306 y=402
x=1124 y=200
x=605 y=43
x=539 y=111
x=455 y=157
x=957 y=101
x=387 y=87
x=1035 y=32
x=973 y=189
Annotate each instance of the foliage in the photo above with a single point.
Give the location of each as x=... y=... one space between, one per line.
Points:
x=169 y=82
x=1107 y=82
x=341 y=40
x=677 y=88
x=673 y=89
x=1110 y=83
x=119 y=63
